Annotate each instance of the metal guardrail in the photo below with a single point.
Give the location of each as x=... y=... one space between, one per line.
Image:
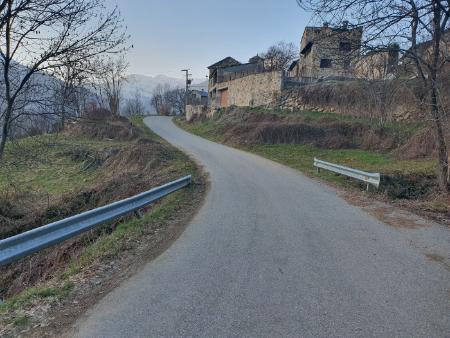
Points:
x=24 y=244
x=369 y=178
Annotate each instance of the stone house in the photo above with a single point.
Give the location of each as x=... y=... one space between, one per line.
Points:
x=293 y=70
x=378 y=65
x=407 y=65
x=198 y=97
x=226 y=79
x=327 y=52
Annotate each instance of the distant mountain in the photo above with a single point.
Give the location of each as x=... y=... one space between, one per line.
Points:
x=46 y=85
x=146 y=85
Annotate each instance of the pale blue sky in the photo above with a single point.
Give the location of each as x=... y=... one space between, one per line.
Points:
x=169 y=35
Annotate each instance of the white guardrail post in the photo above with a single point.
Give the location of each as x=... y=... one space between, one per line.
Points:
x=369 y=178
x=26 y=243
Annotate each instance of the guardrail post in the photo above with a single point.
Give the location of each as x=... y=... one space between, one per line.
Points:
x=138 y=214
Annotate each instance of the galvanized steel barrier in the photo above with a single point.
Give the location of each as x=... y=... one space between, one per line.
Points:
x=15 y=247
x=369 y=178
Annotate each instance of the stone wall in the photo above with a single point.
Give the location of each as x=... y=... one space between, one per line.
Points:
x=326 y=43
x=377 y=65
x=195 y=112
x=387 y=99
x=253 y=90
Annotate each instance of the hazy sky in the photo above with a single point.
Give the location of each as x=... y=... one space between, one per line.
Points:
x=169 y=35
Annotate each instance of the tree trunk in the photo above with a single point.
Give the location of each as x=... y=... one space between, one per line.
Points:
x=63 y=120
x=5 y=129
x=442 y=167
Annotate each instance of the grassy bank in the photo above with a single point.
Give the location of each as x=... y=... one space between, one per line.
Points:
x=300 y=156
x=75 y=171
x=267 y=133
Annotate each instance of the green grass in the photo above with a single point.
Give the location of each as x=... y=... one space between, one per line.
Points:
x=105 y=248
x=22 y=320
x=208 y=129
x=109 y=247
x=43 y=164
x=50 y=176
x=27 y=296
x=402 y=129
x=138 y=121
x=301 y=156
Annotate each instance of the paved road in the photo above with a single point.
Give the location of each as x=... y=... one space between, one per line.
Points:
x=275 y=254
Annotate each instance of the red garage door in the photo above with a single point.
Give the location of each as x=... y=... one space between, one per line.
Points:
x=224 y=97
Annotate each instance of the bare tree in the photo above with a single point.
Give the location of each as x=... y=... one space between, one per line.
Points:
x=381 y=96
x=109 y=80
x=135 y=105
x=280 y=56
x=420 y=27
x=39 y=36
x=71 y=76
x=168 y=101
x=175 y=99
x=158 y=100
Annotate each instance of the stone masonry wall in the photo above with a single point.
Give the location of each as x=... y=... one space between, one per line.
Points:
x=195 y=111
x=326 y=45
x=353 y=98
x=253 y=90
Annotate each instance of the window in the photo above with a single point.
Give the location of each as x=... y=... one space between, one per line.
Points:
x=345 y=46
x=325 y=63
x=347 y=64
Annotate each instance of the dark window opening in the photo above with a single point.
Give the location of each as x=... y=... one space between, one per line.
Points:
x=345 y=46
x=325 y=63
x=346 y=64
x=307 y=48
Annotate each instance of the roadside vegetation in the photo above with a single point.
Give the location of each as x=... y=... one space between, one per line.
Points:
x=95 y=161
x=401 y=151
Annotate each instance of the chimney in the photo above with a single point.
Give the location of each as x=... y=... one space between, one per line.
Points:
x=344 y=24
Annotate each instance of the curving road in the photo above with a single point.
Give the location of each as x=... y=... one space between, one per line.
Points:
x=274 y=254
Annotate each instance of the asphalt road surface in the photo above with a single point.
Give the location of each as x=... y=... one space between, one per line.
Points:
x=273 y=253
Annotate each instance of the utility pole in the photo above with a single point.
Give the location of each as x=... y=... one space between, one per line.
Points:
x=188 y=82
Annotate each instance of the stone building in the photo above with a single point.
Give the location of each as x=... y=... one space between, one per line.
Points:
x=228 y=74
x=327 y=52
x=198 y=97
x=424 y=51
x=293 y=70
x=378 y=65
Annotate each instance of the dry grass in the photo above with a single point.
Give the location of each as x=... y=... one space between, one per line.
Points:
x=401 y=151
x=102 y=172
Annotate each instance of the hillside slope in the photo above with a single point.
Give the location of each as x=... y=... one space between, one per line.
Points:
x=97 y=161
x=402 y=152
